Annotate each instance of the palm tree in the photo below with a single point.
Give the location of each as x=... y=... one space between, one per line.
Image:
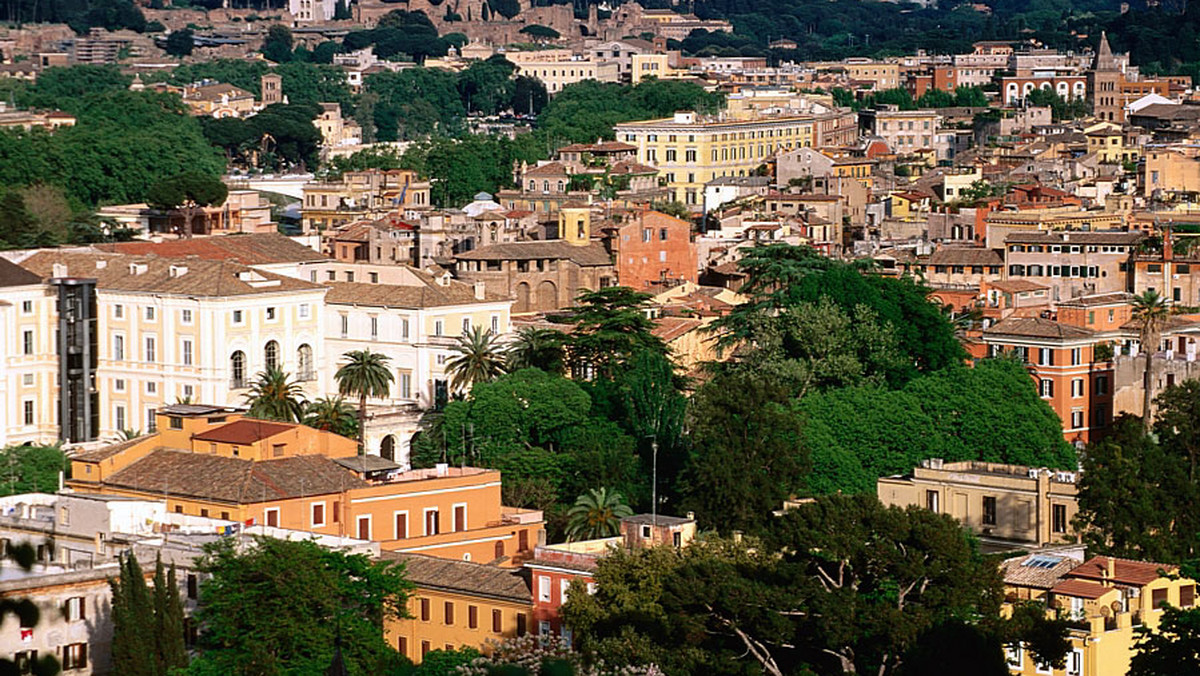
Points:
x=479 y=359
x=332 y=414
x=364 y=373
x=273 y=396
x=1150 y=312
x=535 y=348
x=596 y=514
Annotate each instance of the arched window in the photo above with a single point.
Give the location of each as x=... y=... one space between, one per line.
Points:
x=271 y=353
x=237 y=369
x=304 y=362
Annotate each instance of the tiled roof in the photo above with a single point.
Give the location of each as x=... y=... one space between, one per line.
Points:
x=1043 y=575
x=109 y=451
x=630 y=167
x=1036 y=327
x=475 y=579
x=548 y=169
x=1080 y=589
x=1125 y=571
x=670 y=328
x=966 y=256
x=233 y=480
x=1119 y=297
x=244 y=431
x=1017 y=285
x=399 y=296
x=602 y=147
x=12 y=274
x=248 y=248
x=202 y=277
x=592 y=255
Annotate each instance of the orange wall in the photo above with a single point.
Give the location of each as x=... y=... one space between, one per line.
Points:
x=413 y=635
x=641 y=263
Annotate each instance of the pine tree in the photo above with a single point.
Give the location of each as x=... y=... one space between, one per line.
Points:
x=173 y=648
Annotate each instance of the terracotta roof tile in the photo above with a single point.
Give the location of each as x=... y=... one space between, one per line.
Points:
x=248 y=249
x=1125 y=571
x=1080 y=589
x=1036 y=327
x=966 y=256
x=395 y=295
x=12 y=274
x=244 y=431
x=475 y=579
x=1039 y=571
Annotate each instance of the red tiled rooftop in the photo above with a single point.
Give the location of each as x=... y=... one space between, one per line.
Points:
x=245 y=431
x=1136 y=573
x=1080 y=589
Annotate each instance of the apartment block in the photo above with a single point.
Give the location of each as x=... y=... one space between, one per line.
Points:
x=1072 y=264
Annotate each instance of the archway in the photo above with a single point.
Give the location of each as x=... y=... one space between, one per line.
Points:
x=523 y=293
x=387 y=448
x=547 y=296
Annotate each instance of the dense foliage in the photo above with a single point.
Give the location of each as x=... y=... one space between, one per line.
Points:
x=31 y=469
x=147 y=621
x=304 y=597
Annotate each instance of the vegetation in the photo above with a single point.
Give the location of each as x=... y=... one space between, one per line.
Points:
x=346 y=599
x=1150 y=312
x=274 y=396
x=332 y=414
x=534 y=348
x=31 y=469
x=478 y=359
x=189 y=192
x=596 y=514
x=364 y=374
x=147 y=622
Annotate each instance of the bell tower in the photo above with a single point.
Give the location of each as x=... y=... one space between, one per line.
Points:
x=1104 y=84
x=575 y=223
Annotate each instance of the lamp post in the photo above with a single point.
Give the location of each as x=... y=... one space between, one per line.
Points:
x=654 y=484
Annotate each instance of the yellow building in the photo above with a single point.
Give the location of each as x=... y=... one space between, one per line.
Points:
x=1109 y=143
x=457 y=604
x=690 y=149
x=1172 y=169
x=556 y=74
x=1105 y=599
x=28 y=363
x=650 y=65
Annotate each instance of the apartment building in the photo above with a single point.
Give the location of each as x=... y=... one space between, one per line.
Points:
x=415 y=324
x=29 y=374
x=1171 y=169
x=1174 y=276
x=1072 y=264
x=690 y=149
x=1106 y=600
x=556 y=74
x=652 y=248
x=1005 y=505
x=212 y=462
x=369 y=194
x=905 y=131
x=996 y=225
x=1070 y=375
x=149 y=331
x=457 y=604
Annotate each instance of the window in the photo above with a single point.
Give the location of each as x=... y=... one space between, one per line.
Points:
x=318 y=514
x=75 y=609
x=1076 y=419
x=305 y=310
x=405 y=385
x=151 y=387
x=1101 y=385
x=402 y=645
x=466 y=325
x=374 y=327
x=118 y=311
x=75 y=656
x=1076 y=387
x=119 y=419
x=151 y=349
x=271 y=355
x=544 y=588
x=544 y=628
x=1076 y=356
x=304 y=362
x=497 y=623
x=647 y=234
x=237 y=316
x=495 y=325
x=1187 y=596
x=645 y=532
x=175 y=422
x=272 y=517
x=1058 y=518
x=431 y=521
x=448 y=612
x=425 y=648
x=185 y=316
x=345 y=325
x=28 y=416
x=424 y=610
x=1045 y=356
x=404 y=329
x=187 y=352
x=989 y=511
x=271 y=314
x=472 y=617
x=521 y=619
x=460 y=518
x=1158 y=598
x=237 y=370
x=150 y=313
x=401 y=525
x=563 y=586
x=1075 y=663
x=931 y=500
x=27 y=342
x=437 y=327
x=1046 y=387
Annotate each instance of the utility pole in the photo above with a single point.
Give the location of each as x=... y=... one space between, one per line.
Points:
x=654 y=484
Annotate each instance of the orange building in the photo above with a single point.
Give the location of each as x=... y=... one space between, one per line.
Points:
x=654 y=248
x=1069 y=373
x=212 y=461
x=457 y=604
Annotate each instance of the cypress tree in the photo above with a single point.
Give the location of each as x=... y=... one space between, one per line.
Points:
x=172 y=647
x=133 y=641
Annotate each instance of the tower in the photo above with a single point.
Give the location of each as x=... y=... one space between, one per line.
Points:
x=575 y=223
x=1104 y=84
x=272 y=89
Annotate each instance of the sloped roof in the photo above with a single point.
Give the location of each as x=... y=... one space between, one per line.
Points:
x=12 y=274
x=1080 y=589
x=234 y=480
x=1038 y=571
x=548 y=169
x=591 y=255
x=400 y=296
x=475 y=579
x=1073 y=237
x=110 y=450
x=966 y=256
x=667 y=329
x=244 y=431
x=202 y=278
x=248 y=248
x=1017 y=285
x=1036 y=327
x=1125 y=571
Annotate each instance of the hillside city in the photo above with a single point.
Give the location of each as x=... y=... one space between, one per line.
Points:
x=435 y=337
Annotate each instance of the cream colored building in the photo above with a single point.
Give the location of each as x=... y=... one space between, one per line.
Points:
x=28 y=365
x=1171 y=169
x=1005 y=505
x=167 y=329
x=556 y=74
x=690 y=149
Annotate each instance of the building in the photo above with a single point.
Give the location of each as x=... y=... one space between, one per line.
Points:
x=29 y=375
x=544 y=275
x=358 y=195
x=152 y=330
x=1005 y=505
x=556 y=74
x=311 y=11
x=606 y=170
x=214 y=462
x=217 y=99
x=690 y=150
x=905 y=131
x=49 y=120
x=457 y=604
x=1072 y=264
x=1072 y=375
x=1171 y=171
x=336 y=131
x=997 y=225
x=652 y=248
x=385 y=241
x=1107 y=601
x=1015 y=89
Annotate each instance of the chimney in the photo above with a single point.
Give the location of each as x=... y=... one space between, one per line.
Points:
x=480 y=290
x=1111 y=570
x=138 y=268
x=101 y=264
x=1168 y=245
x=691 y=516
x=58 y=270
x=177 y=270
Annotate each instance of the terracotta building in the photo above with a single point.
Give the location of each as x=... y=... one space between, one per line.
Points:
x=652 y=248
x=214 y=462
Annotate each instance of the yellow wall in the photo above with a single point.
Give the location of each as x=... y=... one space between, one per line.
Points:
x=439 y=634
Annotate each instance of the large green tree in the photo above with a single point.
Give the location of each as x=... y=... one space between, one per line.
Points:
x=277 y=607
x=188 y=192
x=610 y=328
x=364 y=374
x=478 y=359
x=274 y=395
x=31 y=469
x=1173 y=649
x=147 y=621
